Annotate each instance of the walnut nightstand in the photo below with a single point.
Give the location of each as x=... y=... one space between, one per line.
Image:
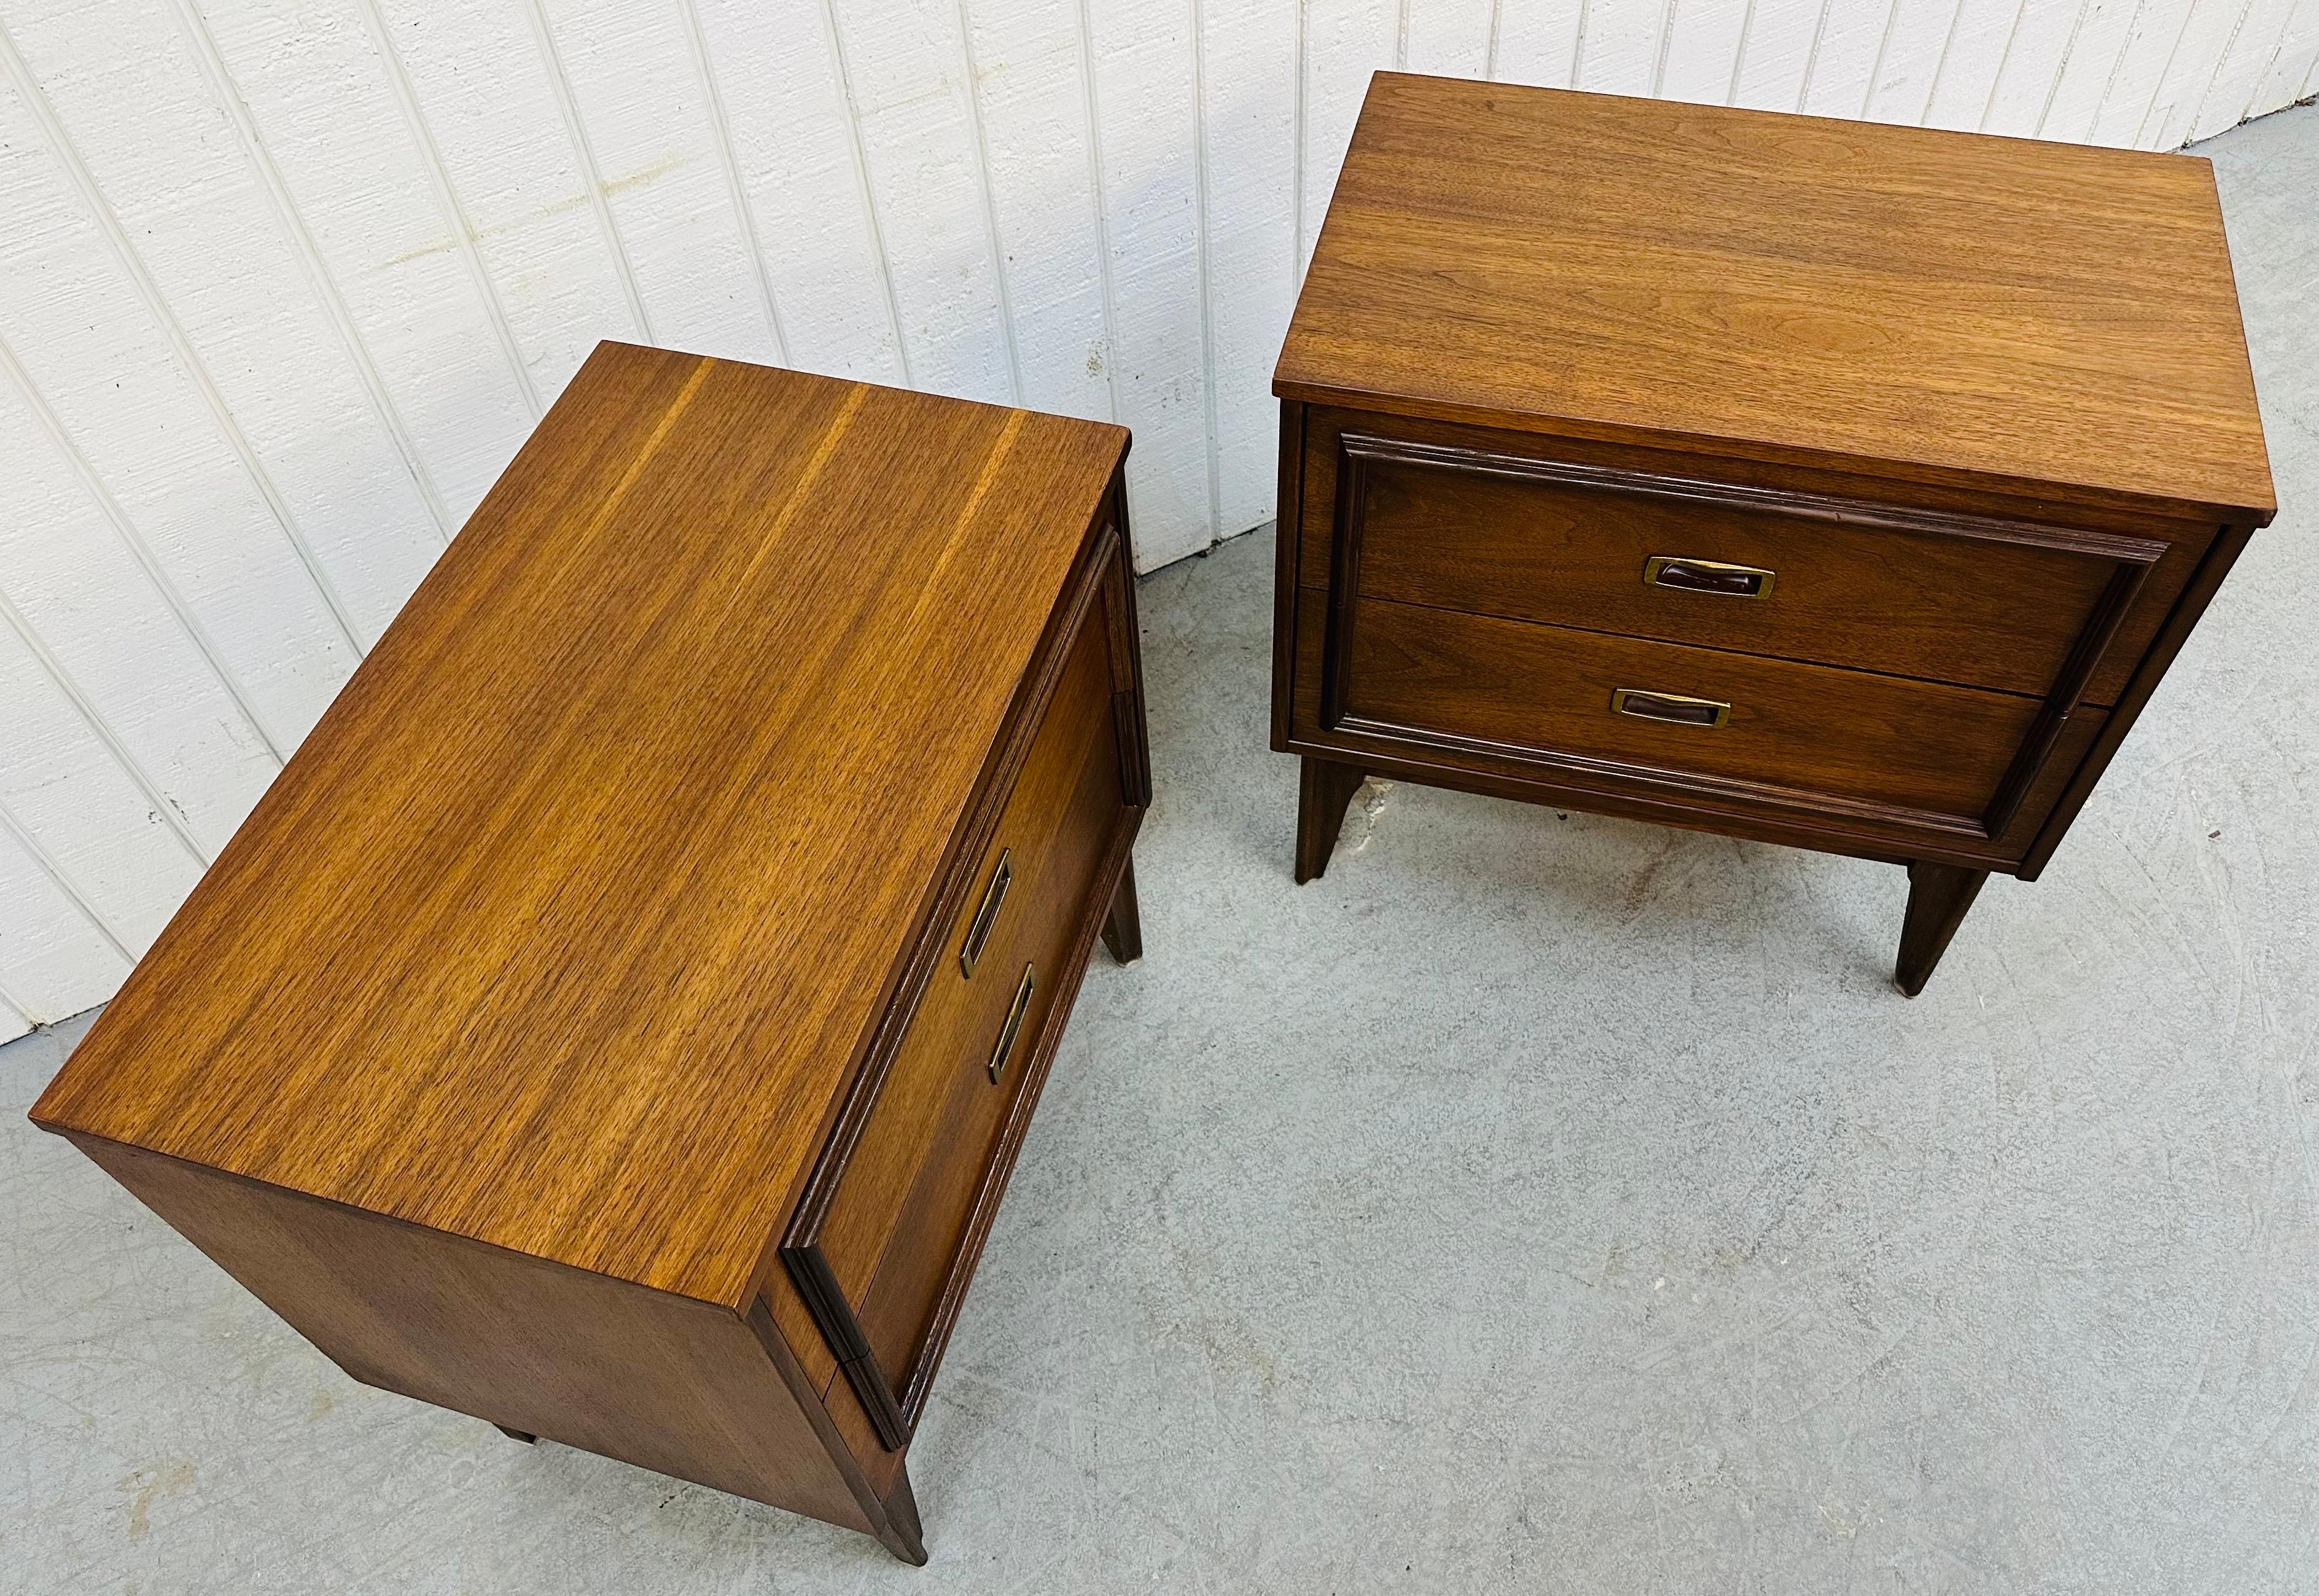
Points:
x=619 y=1020
x=1826 y=483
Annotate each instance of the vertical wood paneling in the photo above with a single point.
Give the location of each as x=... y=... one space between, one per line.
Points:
x=112 y=380
x=12 y=1022
x=1447 y=38
x=728 y=167
x=43 y=670
x=1147 y=78
x=903 y=62
x=1852 y=38
x=1971 y=61
x=174 y=181
x=101 y=611
x=217 y=82
x=2028 y=67
x=1039 y=164
x=2293 y=61
x=320 y=109
x=792 y=138
x=1248 y=65
x=1345 y=40
x=2175 y=90
x=76 y=589
x=1540 y=41
x=1775 y=55
x=512 y=208
x=585 y=165
x=2090 y=71
x=87 y=816
x=1702 y=49
x=54 y=960
x=283 y=288
x=1619 y=52
x=2246 y=60
x=2123 y=111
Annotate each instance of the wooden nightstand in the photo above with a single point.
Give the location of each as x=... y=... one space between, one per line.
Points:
x=619 y=1020
x=1827 y=483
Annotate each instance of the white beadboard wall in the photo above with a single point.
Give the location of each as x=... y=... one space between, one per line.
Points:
x=282 y=287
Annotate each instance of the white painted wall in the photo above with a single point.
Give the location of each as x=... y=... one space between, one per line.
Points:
x=282 y=287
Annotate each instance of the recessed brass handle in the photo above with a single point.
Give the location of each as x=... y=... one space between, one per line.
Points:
x=1707 y=576
x=1673 y=709
x=978 y=934
x=1008 y=1033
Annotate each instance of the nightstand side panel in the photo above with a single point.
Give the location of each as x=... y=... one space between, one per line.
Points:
x=682 y=1387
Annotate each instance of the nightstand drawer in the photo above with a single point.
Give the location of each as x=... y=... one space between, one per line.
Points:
x=894 y=1239
x=1756 y=729
x=1909 y=592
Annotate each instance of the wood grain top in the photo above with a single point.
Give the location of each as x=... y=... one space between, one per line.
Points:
x=1947 y=307
x=561 y=930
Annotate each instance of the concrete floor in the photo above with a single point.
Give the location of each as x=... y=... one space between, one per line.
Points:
x=1536 y=1203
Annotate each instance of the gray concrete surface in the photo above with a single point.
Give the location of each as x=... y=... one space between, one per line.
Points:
x=1536 y=1203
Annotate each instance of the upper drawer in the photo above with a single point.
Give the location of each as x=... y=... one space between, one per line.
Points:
x=1908 y=592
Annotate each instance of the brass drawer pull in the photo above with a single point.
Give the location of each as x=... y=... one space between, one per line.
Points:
x=978 y=934
x=1008 y=1033
x=1707 y=576
x=1670 y=708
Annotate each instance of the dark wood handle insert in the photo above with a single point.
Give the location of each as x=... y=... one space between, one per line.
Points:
x=1707 y=576
x=1008 y=1033
x=978 y=934
x=1673 y=709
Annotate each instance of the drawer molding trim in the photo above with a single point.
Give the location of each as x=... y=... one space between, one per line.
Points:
x=1101 y=578
x=919 y=961
x=2131 y=559
x=1360 y=730
x=1357 y=448
x=799 y=1247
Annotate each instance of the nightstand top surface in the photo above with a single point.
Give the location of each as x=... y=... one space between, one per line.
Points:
x=562 y=928
x=1919 y=305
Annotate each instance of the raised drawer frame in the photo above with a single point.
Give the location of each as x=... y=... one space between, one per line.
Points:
x=1103 y=574
x=2046 y=785
x=2130 y=560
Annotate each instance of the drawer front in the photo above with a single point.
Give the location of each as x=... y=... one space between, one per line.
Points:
x=887 y=1245
x=1030 y=972
x=1908 y=753
x=1939 y=596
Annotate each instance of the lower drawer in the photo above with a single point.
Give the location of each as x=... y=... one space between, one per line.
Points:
x=890 y=1248
x=1766 y=729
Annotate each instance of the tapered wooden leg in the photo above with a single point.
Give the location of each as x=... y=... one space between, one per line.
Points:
x=516 y=1435
x=1938 y=897
x=1123 y=928
x=1324 y=788
x=903 y=1535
